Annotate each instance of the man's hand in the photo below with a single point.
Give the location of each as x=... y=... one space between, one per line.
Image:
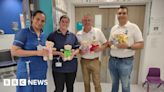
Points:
x=98 y=49
x=122 y=46
x=108 y=44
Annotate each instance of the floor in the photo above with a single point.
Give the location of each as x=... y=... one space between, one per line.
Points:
x=78 y=87
x=106 y=87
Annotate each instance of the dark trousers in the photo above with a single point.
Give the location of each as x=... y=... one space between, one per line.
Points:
x=60 y=79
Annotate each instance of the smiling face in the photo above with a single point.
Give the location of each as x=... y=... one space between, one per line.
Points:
x=38 y=21
x=87 y=22
x=64 y=23
x=122 y=15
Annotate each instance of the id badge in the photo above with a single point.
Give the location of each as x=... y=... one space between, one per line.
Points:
x=58 y=64
x=40 y=47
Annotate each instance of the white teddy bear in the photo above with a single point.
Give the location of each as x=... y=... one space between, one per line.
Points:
x=49 y=47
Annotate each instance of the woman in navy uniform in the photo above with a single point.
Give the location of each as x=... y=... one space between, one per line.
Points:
x=28 y=45
x=64 y=72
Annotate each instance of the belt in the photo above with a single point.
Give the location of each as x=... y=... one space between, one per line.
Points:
x=122 y=57
x=90 y=59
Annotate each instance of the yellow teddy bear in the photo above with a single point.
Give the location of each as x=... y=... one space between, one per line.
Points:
x=122 y=38
x=119 y=39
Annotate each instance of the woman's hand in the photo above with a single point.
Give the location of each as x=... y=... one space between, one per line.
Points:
x=61 y=54
x=74 y=53
x=43 y=52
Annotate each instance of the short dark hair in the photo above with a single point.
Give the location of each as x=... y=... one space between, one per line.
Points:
x=64 y=16
x=123 y=7
x=38 y=11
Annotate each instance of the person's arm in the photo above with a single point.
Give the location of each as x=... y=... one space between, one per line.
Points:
x=17 y=51
x=138 y=41
x=103 y=40
x=137 y=45
x=102 y=47
x=76 y=47
x=18 y=44
x=75 y=52
x=109 y=43
x=61 y=54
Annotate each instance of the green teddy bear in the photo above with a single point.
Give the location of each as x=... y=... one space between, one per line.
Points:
x=67 y=52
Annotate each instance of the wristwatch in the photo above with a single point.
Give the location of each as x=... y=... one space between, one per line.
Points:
x=129 y=47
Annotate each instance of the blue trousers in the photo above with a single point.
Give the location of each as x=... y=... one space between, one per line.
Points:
x=120 y=70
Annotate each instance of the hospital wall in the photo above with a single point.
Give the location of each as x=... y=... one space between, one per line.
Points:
x=153 y=55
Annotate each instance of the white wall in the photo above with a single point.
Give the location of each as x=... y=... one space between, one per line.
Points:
x=154 y=51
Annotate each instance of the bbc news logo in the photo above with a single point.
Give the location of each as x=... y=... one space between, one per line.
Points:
x=23 y=82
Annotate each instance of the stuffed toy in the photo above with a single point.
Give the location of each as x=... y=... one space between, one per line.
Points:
x=49 y=47
x=84 y=46
x=119 y=39
x=67 y=52
x=93 y=46
x=122 y=38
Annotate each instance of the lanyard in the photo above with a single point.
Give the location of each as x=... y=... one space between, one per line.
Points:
x=28 y=69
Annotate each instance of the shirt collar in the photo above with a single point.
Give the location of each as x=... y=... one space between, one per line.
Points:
x=91 y=31
x=126 y=25
x=32 y=30
x=67 y=33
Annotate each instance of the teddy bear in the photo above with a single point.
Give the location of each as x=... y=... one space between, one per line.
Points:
x=84 y=46
x=67 y=52
x=119 y=39
x=93 y=46
x=122 y=38
x=49 y=47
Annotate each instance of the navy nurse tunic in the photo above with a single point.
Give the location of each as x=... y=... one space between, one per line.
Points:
x=60 y=40
x=27 y=39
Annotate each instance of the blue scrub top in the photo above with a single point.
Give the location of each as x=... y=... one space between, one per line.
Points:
x=27 y=39
x=60 y=40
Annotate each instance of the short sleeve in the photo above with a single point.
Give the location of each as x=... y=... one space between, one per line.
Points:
x=138 y=35
x=49 y=38
x=77 y=44
x=20 y=38
x=79 y=38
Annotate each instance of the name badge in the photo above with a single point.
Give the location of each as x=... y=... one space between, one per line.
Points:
x=58 y=64
x=40 y=47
